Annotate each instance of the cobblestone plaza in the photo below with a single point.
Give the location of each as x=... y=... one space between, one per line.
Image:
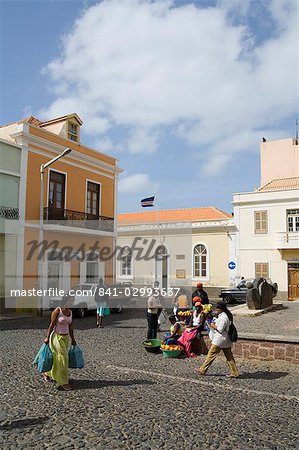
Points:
x=125 y=398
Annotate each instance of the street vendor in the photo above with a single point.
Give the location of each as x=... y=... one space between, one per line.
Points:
x=181 y=302
x=199 y=292
x=195 y=300
x=199 y=317
x=175 y=331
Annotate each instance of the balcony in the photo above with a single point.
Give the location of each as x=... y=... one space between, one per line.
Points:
x=6 y=212
x=285 y=240
x=78 y=219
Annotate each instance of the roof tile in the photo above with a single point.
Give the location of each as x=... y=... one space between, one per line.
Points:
x=281 y=184
x=174 y=215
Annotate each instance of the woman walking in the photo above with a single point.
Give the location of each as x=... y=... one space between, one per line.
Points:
x=59 y=331
x=220 y=341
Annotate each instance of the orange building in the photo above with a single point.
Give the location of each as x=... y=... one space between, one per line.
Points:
x=71 y=243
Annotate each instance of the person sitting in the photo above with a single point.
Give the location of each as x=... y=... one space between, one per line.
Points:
x=181 y=302
x=175 y=331
x=194 y=301
x=199 y=292
x=199 y=321
x=208 y=310
x=199 y=317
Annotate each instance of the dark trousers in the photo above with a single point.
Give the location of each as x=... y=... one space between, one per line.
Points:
x=152 y=323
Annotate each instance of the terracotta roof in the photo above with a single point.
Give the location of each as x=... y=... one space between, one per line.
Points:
x=61 y=118
x=33 y=120
x=281 y=184
x=174 y=215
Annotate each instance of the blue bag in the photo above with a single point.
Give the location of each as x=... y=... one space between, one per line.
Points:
x=44 y=359
x=106 y=312
x=76 y=360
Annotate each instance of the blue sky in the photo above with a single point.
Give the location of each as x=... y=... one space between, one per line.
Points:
x=180 y=92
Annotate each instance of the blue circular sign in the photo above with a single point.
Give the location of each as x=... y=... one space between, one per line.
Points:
x=231 y=265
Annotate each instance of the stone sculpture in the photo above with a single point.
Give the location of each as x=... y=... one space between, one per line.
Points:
x=259 y=294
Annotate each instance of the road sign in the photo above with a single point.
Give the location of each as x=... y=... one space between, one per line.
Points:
x=232 y=265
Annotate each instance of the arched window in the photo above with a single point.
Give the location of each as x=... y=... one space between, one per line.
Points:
x=126 y=262
x=199 y=261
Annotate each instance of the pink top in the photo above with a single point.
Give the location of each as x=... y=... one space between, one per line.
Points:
x=62 y=325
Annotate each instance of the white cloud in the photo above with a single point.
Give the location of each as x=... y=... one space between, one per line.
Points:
x=106 y=145
x=142 y=140
x=138 y=183
x=150 y=66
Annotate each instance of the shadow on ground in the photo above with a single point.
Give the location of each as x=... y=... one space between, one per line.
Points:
x=23 y=423
x=98 y=384
x=260 y=375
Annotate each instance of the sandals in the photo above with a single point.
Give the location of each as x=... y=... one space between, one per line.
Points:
x=46 y=378
x=66 y=387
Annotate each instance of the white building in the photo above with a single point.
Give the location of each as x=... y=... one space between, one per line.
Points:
x=199 y=243
x=267 y=220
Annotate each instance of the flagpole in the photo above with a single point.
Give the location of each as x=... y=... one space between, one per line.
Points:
x=158 y=218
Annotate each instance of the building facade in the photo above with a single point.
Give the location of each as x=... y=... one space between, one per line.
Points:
x=198 y=244
x=68 y=216
x=267 y=220
x=10 y=160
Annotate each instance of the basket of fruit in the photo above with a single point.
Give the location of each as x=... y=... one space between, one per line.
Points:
x=171 y=351
x=185 y=313
x=152 y=345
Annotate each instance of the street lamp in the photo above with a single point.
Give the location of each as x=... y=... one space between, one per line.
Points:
x=41 y=215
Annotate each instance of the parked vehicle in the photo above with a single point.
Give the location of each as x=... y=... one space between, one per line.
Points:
x=238 y=293
x=119 y=295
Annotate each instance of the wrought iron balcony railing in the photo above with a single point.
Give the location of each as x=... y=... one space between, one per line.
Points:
x=67 y=217
x=6 y=212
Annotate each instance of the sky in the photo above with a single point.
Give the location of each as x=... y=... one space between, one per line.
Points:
x=181 y=92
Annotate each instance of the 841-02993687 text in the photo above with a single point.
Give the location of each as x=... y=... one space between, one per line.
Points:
x=137 y=292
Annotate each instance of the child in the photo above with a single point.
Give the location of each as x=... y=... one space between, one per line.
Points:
x=175 y=331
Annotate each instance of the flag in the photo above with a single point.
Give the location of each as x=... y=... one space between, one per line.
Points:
x=147 y=202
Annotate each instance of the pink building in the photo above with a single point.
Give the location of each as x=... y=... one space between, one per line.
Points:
x=279 y=159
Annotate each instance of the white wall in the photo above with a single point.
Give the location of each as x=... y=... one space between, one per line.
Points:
x=254 y=248
x=181 y=242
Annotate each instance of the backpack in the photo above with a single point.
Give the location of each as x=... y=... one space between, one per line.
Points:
x=232 y=332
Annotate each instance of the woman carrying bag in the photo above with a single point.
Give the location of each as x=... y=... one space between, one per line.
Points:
x=221 y=341
x=59 y=331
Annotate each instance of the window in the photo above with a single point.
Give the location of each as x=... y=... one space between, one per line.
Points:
x=92 y=272
x=56 y=190
x=54 y=274
x=93 y=198
x=72 y=131
x=261 y=222
x=261 y=270
x=200 y=261
x=126 y=262
x=293 y=220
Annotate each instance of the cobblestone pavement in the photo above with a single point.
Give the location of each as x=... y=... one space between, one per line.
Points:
x=126 y=398
x=284 y=321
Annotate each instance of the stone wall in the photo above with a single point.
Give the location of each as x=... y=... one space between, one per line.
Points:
x=265 y=350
